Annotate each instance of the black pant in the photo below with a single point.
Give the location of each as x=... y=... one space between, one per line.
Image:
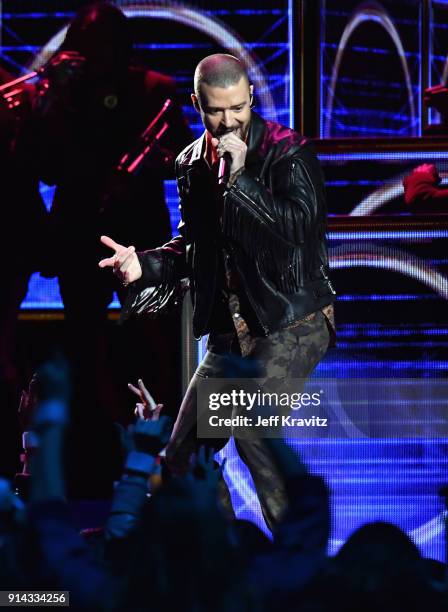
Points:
x=289 y=353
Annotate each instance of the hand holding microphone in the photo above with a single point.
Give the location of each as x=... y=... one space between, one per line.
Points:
x=232 y=152
x=224 y=168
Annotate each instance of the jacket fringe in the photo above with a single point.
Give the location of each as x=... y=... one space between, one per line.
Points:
x=277 y=260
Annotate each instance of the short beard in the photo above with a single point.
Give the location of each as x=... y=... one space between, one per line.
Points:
x=239 y=131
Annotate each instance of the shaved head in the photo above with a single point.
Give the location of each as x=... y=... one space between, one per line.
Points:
x=223 y=95
x=219 y=70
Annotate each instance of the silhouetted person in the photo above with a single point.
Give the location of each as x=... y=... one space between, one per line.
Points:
x=378 y=568
x=92 y=106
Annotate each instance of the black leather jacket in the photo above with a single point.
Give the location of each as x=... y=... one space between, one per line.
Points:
x=272 y=228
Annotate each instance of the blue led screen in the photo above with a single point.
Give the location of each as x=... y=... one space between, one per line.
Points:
x=370 y=68
x=392 y=284
x=438 y=56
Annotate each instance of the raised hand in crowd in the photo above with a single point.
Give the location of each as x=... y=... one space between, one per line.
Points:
x=202 y=481
x=150 y=437
x=143 y=441
x=146 y=408
x=49 y=421
x=54 y=381
x=64 y=555
x=204 y=468
x=27 y=405
x=42 y=406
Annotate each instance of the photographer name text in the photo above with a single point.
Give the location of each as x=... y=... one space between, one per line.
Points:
x=274 y=420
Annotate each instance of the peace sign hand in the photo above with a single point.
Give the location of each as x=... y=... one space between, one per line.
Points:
x=146 y=408
x=125 y=263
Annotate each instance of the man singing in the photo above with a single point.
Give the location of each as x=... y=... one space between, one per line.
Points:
x=252 y=243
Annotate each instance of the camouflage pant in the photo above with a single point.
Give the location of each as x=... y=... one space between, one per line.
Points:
x=289 y=353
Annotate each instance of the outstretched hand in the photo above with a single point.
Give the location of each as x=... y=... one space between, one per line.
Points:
x=124 y=262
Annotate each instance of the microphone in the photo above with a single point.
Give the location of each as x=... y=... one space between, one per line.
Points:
x=224 y=168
